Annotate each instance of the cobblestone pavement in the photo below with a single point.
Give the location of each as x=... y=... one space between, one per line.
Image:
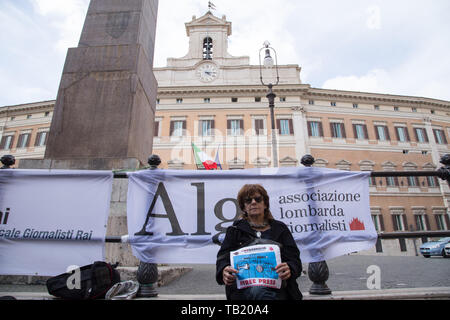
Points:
x=346 y=273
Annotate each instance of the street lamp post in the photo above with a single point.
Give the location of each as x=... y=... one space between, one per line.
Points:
x=269 y=63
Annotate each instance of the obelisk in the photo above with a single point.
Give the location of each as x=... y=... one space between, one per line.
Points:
x=105 y=108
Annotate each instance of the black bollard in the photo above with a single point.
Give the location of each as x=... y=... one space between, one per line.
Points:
x=147 y=273
x=8 y=161
x=318 y=272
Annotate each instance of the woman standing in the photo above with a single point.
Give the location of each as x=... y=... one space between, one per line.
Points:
x=258 y=222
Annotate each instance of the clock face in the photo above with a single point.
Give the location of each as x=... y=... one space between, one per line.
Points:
x=207 y=72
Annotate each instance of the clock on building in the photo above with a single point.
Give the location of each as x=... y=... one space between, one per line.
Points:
x=207 y=72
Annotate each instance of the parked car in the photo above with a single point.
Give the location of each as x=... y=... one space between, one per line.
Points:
x=434 y=248
x=447 y=250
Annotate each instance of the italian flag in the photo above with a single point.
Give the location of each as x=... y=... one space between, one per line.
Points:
x=202 y=158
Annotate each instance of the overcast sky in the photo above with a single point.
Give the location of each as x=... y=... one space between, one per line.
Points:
x=383 y=46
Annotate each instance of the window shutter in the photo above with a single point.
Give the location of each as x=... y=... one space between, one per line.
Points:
x=200 y=128
x=309 y=128
x=366 y=133
x=291 y=127
x=396 y=133
x=447 y=221
x=321 y=129
x=407 y=134
x=2 y=143
x=415 y=133
x=425 y=134
x=436 y=217
x=171 y=127
x=333 y=133
x=381 y=222
x=443 y=137
x=394 y=223
x=241 y=127
x=278 y=126
x=38 y=137
x=354 y=132
x=213 y=127
x=427 y=222
x=156 y=129
x=405 y=222
x=376 y=132
x=19 y=142
x=386 y=130
x=344 y=134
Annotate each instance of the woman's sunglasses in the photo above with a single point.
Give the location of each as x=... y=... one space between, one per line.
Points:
x=250 y=199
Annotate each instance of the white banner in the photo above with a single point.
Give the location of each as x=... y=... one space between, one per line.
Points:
x=52 y=219
x=181 y=216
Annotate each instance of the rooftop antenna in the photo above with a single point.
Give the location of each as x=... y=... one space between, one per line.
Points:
x=211 y=6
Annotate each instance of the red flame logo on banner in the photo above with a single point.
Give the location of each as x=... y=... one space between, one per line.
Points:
x=357 y=225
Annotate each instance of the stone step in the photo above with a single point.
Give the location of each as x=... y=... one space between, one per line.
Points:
x=166 y=274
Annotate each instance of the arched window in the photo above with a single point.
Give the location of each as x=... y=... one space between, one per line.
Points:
x=207 y=49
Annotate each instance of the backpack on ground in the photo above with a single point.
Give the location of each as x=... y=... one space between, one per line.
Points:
x=88 y=282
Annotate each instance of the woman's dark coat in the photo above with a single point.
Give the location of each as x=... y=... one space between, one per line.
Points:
x=240 y=234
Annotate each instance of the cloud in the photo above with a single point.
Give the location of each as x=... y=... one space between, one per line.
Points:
x=65 y=17
x=374 y=19
x=376 y=81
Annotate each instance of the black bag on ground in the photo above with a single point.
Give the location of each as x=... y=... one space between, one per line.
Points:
x=94 y=280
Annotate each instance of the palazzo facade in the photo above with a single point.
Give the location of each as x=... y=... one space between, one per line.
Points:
x=217 y=102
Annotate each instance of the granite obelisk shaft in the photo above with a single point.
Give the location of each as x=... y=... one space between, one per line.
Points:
x=105 y=109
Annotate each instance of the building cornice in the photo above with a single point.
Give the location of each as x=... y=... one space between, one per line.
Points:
x=367 y=97
x=27 y=107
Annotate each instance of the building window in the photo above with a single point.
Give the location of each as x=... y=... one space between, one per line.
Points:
x=311 y=102
x=376 y=107
x=207 y=49
x=206 y=128
x=315 y=129
x=420 y=222
x=258 y=125
x=179 y=100
x=399 y=224
x=337 y=130
x=412 y=181
x=402 y=134
x=414 y=109
x=396 y=109
x=432 y=111
x=6 y=142
x=382 y=133
x=234 y=99
x=421 y=135
x=158 y=101
x=285 y=126
x=432 y=182
x=47 y=113
x=207 y=100
x=257 y=99
x=355 y=106
x=360 y=131
x=440 y=222
x=235 y=127
x=282 y=99
x=391 y=181
x=177 y=128
x=439 y=136
x=41 y=139
x=333 y=103
x=377 y=222
x=29 y=116
x=24 y=140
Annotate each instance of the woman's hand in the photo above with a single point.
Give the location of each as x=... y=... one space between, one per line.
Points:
x=228 y=275
x=283 y=270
